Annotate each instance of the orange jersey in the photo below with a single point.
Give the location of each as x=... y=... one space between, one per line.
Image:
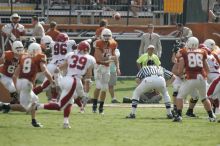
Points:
x=9 y=65
x=194 y=62
x=107 y=48
x=30 y=66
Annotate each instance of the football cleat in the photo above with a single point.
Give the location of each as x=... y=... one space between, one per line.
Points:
x=101 y=111
x=94 y=109
x=130 y=116
x=115 y=101
x=169 y=116
x=212 y=119
x=36 y=124
x=190 y=115
x=66 y=126
x=177 y=119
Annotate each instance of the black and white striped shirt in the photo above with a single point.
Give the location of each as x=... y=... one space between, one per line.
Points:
x=154 y=70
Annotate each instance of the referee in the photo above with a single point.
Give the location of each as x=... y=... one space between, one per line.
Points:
x=150 y=78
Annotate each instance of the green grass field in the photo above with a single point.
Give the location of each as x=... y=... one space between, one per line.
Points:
x=112 y=129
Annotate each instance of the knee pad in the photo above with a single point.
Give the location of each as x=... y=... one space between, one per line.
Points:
x=192 y=100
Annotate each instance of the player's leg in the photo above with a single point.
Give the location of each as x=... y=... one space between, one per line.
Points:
x=176 y=85
x=143 y=87
x=111 y=84
x=192 y=102
x=97 y=76
x=104 y=82
x=161 y=86
x=185 y=89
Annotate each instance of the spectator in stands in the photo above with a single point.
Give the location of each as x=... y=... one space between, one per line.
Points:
x=150 y=38
x=135 y=6
x=113 y=77
x=149 y=55
x=38 y=29
x=214 y=13
x=12 y=31
x=53 y=32
x=182 y=32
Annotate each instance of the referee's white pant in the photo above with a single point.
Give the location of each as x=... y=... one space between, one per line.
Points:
x=153 y=82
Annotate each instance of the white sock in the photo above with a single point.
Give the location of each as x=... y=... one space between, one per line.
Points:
x=113 y=98
x=169 y=111
x=66 y=120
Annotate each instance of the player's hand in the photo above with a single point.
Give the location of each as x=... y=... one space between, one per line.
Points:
x=118 y=71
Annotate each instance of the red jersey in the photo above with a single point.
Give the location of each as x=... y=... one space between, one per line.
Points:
x=9 y=65
x=107 y=48
x=30 y=66
x=194 y=62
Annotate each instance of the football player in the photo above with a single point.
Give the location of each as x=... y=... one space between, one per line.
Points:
x=193 y=63
x=9 y=62
x=104 y=54
x=24 y=77
x=76 y=64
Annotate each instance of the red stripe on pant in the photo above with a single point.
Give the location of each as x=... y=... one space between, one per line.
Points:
x=66 y=99
x=212 y=86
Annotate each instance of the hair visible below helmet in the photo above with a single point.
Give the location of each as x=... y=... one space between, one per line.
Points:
x=84 y=46
x=106 y=34
x=62 y=37
x=210 y=43
x=192 y=43
x=34 y=49
x=15 y=15
x=17 y=47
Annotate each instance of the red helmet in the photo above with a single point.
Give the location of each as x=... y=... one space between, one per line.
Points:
x=84 y=46
x=62 y=37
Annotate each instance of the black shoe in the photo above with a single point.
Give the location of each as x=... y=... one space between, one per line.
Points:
x=131 y=116
x=5 y=108
x=36 y=124
x=115 y=101
x=191 y=115
x=101 y=111
x=170 y=116
x=94 y=109
x=177 y=119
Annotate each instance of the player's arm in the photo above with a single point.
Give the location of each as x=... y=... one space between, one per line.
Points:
x=2 y=58
x=16 y=74
x=181 y=67
x=102 y=58
x=47 y=73
x=206 y=66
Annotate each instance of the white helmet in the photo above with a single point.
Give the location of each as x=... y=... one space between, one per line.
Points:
x=210 y=43
x=17 y=47
x=46 y=41
x=106 y=34
x=15 y=15
x=34 y=48
x=72 y=44
x=192 y=43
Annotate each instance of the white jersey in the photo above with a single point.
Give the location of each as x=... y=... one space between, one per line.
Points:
x=60 y=49
x=213 y=64
x=79 y=63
